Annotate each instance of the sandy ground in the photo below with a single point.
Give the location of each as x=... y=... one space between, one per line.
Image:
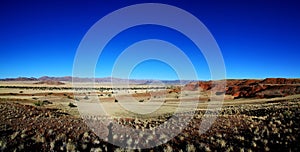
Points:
x=50 y=120
x=155 y=102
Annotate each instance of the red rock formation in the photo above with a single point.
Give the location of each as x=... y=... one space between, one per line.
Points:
x=280 y=81
x=252 y=88
x=193 y=86
x=207 y=85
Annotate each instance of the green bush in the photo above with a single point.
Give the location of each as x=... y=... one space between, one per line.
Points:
x=38 y=103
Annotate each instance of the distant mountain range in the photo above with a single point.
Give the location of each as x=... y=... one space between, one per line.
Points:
x=98 y=80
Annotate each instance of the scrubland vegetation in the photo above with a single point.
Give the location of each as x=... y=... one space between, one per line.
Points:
x=48 y=120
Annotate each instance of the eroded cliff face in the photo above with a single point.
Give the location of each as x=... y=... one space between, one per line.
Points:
x=251 y=88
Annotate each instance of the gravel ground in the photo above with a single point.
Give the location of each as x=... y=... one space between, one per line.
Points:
x=252 y=127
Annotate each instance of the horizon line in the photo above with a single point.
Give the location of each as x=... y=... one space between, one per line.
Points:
x=228 y=78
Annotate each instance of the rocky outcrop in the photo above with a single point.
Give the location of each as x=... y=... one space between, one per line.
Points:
x=201 y=85
x=267 y=88
x=252 y=88
x=280 y=81
x=193 y=86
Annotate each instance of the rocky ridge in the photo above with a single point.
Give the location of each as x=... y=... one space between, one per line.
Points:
x=251 y=88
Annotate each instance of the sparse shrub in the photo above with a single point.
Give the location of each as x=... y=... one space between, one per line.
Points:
x=35 y=98
x=21 y=92
x=45 y=102
x=86 y=97
x=71 y=105
x=38 y=103
x=190 y=148
x=109 y=95
x=142 y=100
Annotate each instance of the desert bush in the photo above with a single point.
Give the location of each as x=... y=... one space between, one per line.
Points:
x=38 y=103
x=46 y=102
x=71 y=105
x=86 y=97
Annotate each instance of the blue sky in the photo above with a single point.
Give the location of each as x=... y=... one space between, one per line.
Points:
x=258 y=39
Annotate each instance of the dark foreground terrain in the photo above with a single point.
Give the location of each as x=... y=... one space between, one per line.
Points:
x=271 y=126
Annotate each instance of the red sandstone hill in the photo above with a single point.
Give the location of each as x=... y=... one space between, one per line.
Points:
x=251 y=88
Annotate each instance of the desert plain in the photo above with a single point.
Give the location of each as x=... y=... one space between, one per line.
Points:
x=47 y=115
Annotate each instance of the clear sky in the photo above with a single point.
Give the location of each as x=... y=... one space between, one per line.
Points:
x=258 y=39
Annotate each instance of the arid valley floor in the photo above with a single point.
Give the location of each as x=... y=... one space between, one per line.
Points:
x=256 y=115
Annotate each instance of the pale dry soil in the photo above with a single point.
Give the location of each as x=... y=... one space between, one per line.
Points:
x=42 y=120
